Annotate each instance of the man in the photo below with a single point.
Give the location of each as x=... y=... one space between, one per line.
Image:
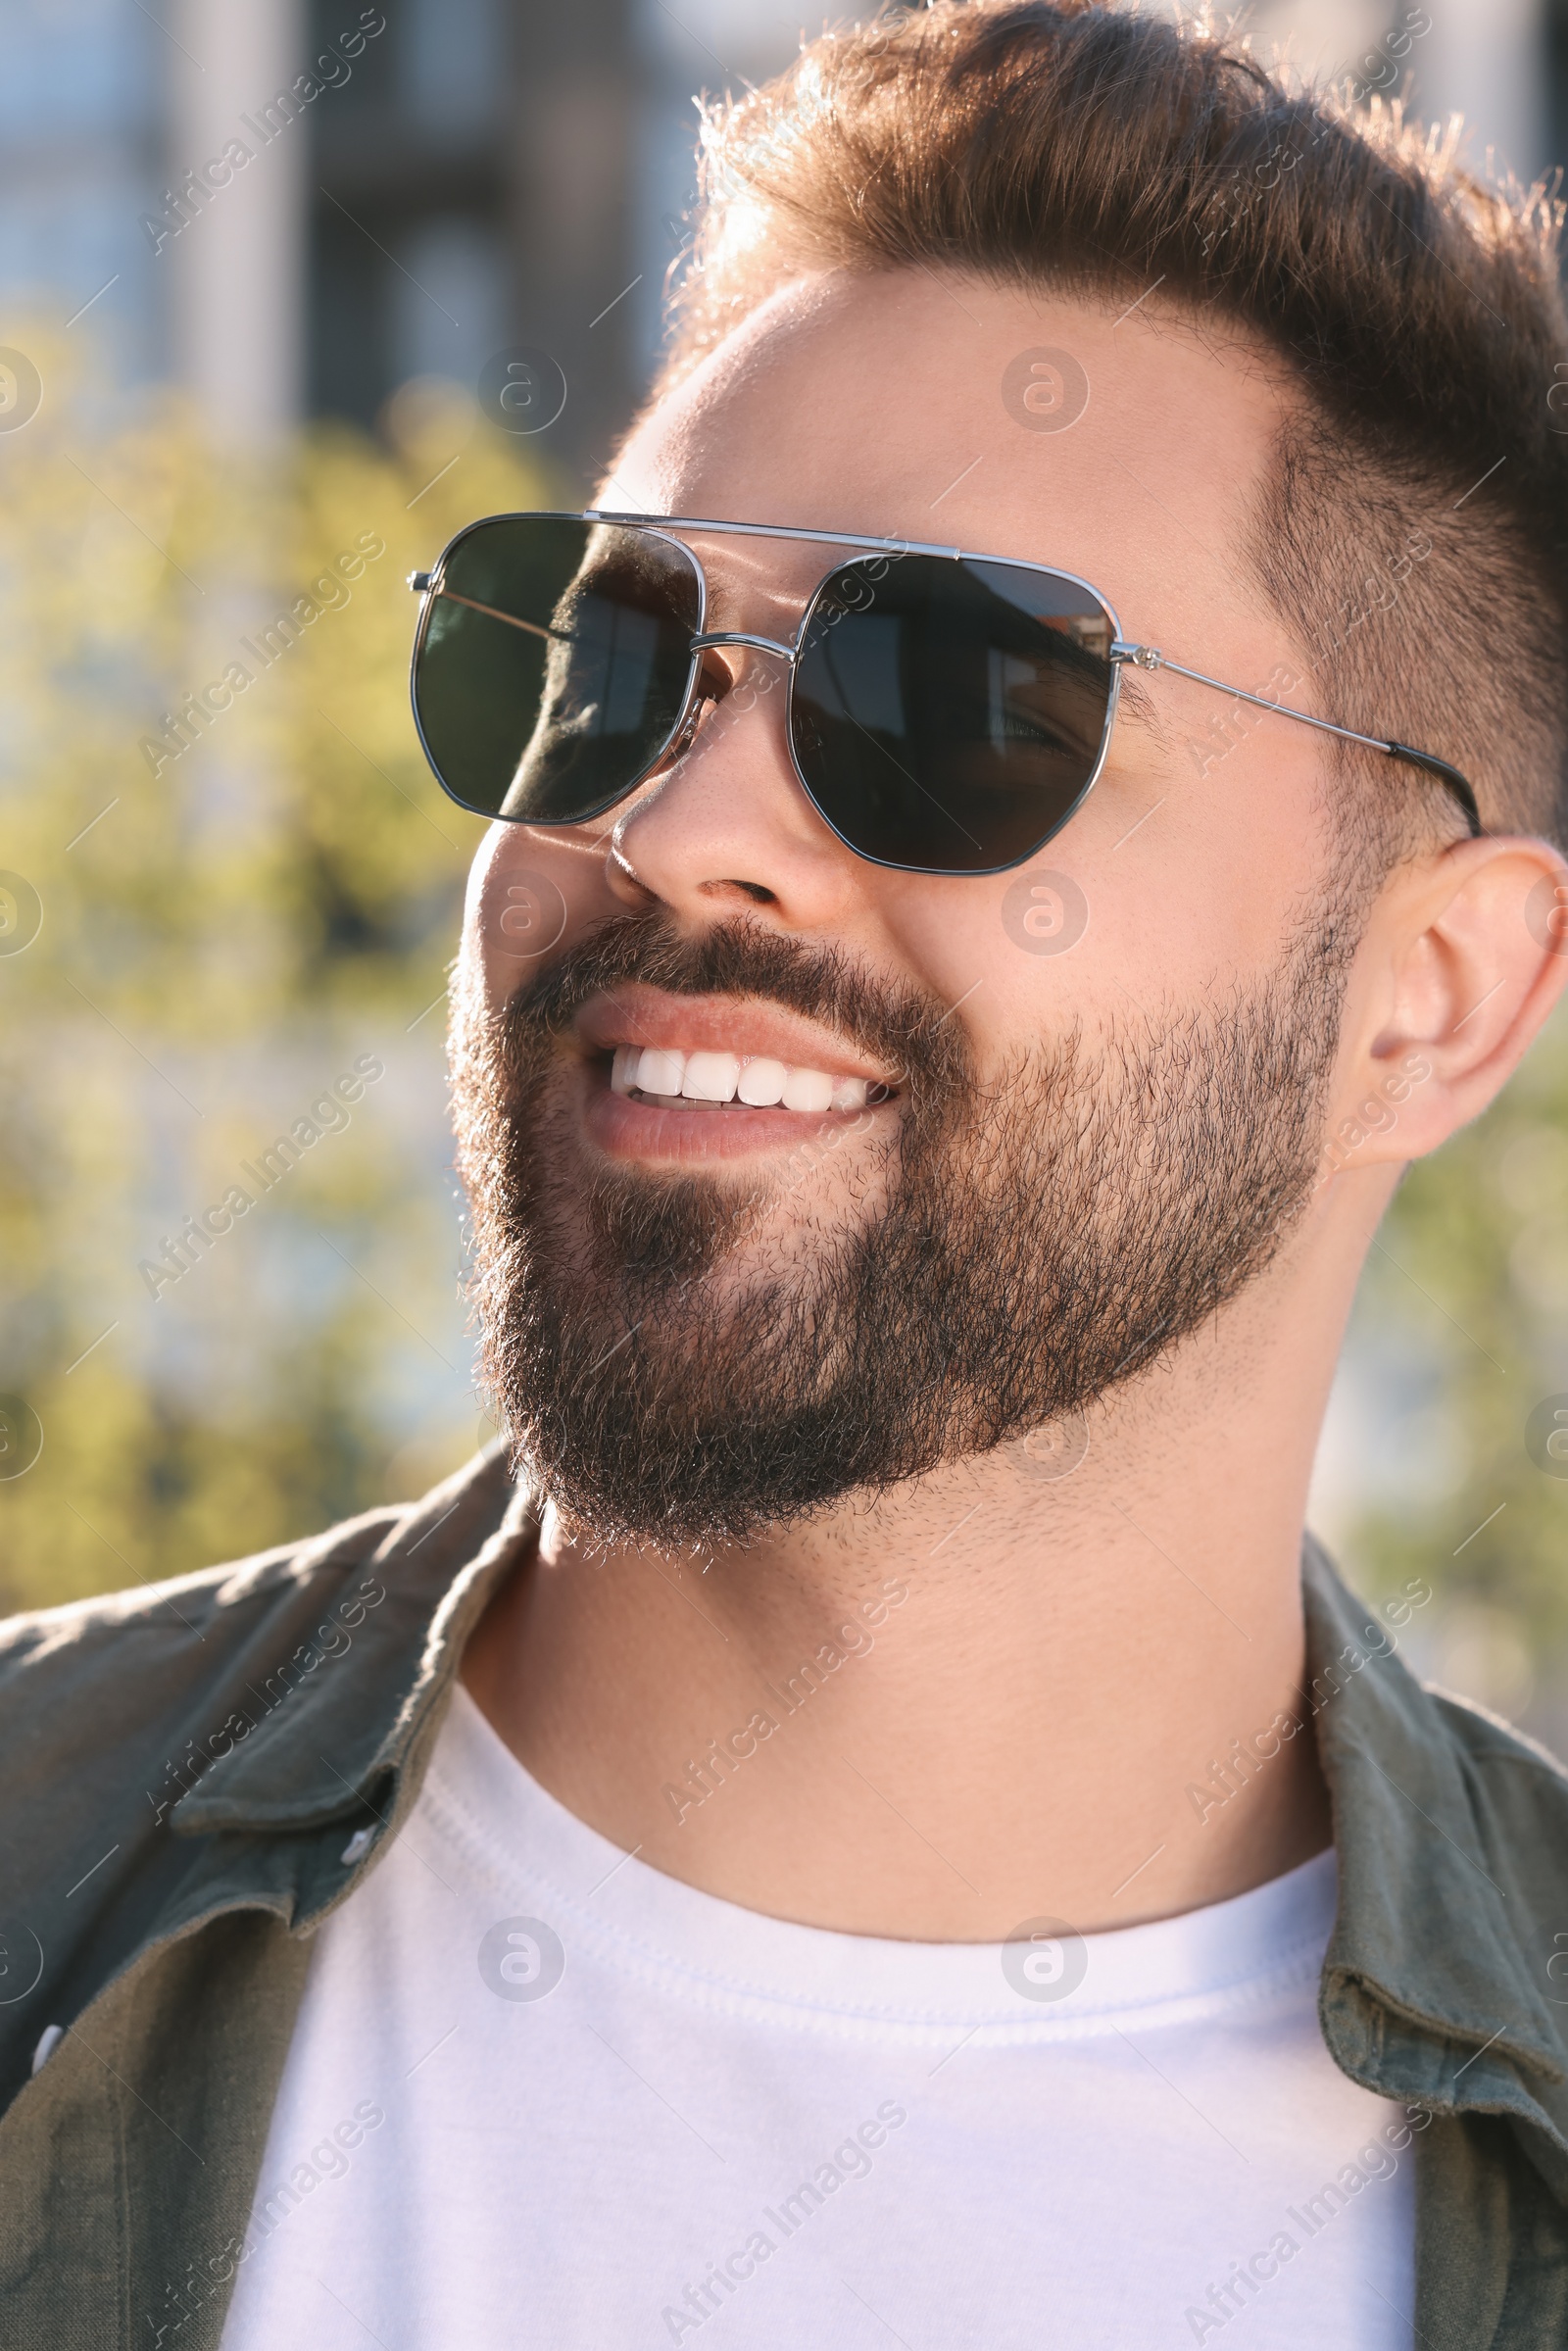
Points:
x=864 y=1823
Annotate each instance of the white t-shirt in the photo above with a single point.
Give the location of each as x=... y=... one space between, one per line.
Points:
x=540 y=2094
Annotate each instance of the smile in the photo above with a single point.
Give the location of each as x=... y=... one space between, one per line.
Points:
x=707 y=1080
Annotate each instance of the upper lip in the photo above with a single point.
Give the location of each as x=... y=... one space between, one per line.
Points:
x=747 y=1025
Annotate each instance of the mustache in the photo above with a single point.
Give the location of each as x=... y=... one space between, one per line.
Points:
x=902 y=1025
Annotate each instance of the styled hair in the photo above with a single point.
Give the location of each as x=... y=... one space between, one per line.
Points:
x=1412 y=530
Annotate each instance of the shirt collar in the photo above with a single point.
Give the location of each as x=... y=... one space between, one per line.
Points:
x=347 y=1730
x=1450 y=1831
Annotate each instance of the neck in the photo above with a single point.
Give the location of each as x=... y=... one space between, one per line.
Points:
x=993 y=1695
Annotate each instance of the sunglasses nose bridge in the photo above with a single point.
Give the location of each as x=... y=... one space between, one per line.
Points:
x=741 y=636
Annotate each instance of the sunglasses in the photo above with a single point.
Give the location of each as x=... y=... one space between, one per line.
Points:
x=946 y=712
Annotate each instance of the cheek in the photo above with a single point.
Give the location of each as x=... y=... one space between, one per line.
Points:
x=530 y=896
x=946 y=934
x=1017 y=957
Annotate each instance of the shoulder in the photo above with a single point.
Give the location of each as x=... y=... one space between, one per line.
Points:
x=118 y=1714
x=84 y=1669
x=132 y=1684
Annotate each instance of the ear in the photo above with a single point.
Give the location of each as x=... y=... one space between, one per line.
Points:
x=1463 y=957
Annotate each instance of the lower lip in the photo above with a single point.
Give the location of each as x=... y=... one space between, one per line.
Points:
x=629 y=1129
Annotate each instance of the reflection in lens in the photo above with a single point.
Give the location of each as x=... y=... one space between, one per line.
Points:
x=948 y=716
x=554 y=663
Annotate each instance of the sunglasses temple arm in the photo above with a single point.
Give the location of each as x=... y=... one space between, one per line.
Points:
x=560 y=636
x=1458 y=784
x=1148 y=657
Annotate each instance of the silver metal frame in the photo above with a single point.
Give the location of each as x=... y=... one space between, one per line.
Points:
x=1123 y=655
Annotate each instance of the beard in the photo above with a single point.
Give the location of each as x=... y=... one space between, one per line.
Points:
x=677 y=1364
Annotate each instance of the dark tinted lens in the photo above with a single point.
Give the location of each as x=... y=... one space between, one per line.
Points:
x=554 y=665
x=948 y=715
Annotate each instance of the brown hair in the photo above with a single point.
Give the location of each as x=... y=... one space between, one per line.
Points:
x=1099 y=151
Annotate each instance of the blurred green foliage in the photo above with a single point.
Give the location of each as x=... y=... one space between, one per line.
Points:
x=221 y=939
x=1461 y=1330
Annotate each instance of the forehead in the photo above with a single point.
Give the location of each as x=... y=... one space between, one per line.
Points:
x=1129 y=449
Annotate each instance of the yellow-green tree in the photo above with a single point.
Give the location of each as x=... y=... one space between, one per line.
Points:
x=1460 y=1332
x=244 y=886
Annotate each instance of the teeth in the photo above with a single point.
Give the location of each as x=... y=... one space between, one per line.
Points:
x=660 y=1073
x=808 y=1090
x=763 y=1082
x=710 y=1077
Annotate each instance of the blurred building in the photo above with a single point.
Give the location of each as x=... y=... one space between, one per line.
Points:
x=414 y=187
x=401 y=190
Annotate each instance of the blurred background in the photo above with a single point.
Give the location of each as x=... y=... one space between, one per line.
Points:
x=263 y=270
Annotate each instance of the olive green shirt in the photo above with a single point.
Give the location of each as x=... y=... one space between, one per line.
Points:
x=196 y=1773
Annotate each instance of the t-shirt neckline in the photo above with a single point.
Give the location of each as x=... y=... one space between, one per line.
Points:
x=631 y=1916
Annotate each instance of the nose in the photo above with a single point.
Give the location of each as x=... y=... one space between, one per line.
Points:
x=729 y=825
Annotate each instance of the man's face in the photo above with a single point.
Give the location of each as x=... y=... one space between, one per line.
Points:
x=1093 y=1086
